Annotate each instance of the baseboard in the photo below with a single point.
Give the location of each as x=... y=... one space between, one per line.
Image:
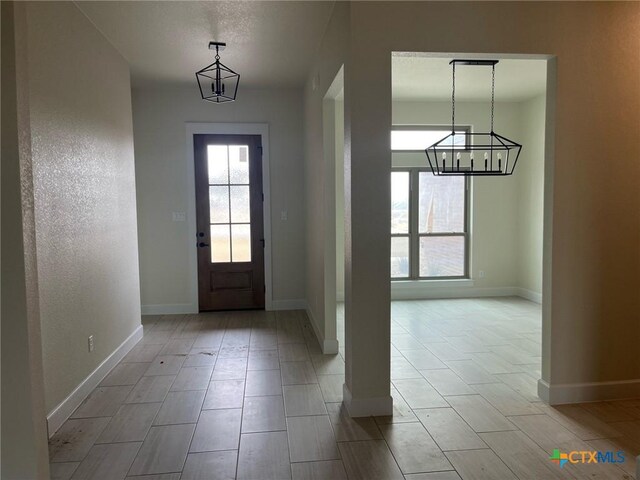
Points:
x=299 y=304
x=62 y=412
x=529 y=295
x=366 y=407
x=419 y=292
x=328 y=346
x=587 y=392
x=169 y=309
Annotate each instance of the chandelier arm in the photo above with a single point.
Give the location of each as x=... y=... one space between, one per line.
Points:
x=453 y=102
x=493 y=92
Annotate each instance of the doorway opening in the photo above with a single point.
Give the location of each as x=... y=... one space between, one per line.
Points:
x=469 y=258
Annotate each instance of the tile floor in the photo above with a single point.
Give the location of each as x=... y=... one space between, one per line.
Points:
x=248 y=395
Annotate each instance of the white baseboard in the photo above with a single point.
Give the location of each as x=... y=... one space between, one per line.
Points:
x=169 y=309
x=530 y=295
x=62 y=412
x=587 y=392
x=329 y=346
x=299 y=304
x=418 y=292
x=366 y=407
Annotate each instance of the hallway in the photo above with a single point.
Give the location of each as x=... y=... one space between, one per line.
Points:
x=249 y=395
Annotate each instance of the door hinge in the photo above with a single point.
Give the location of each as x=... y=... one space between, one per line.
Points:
x=260 y=150
x=264 y=288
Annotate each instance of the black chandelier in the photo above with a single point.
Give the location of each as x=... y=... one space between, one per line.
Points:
x=470 y=153
x=217 y=82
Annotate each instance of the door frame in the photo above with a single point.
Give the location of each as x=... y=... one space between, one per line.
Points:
x=200 y=128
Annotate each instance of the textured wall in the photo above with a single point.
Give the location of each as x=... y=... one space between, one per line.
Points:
x=85 y=206
x=159 y=116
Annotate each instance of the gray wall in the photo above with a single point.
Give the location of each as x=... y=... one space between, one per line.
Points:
x=159 y=116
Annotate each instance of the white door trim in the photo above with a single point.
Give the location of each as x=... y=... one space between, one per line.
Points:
x=196 y=128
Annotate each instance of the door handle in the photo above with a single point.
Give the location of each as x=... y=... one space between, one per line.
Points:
x=202 y=244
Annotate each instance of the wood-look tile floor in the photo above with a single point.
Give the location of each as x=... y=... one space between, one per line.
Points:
x=249 y=395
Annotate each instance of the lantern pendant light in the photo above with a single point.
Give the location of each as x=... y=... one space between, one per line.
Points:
x=470 y=153
x=217 y=82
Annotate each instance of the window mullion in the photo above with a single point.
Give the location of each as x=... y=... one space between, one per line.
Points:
x=414 y=237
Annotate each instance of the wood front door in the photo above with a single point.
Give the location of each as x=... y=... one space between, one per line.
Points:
x=230 y=234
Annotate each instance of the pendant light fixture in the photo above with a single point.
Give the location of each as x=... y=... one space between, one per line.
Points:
x=217 y=82
x=462 y=153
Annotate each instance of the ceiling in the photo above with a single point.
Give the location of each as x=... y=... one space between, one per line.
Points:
x=271 y=44
x=416 y=77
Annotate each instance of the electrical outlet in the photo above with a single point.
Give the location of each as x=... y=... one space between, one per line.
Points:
x=481 y=274
x=284 y=215
x=178 y=216
x=91 y=345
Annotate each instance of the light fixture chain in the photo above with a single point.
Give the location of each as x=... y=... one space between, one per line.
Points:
x=453 y=101
x=493 y=92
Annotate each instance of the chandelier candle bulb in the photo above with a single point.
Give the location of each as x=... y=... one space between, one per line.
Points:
x=499 y=161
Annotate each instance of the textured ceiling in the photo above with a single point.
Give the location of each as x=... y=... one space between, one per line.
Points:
x=269 y=43
x=418 y=77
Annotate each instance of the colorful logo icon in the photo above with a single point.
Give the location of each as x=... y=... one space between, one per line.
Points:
x=559 y=458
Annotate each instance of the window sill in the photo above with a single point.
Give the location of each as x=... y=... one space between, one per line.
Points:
x=448 y=283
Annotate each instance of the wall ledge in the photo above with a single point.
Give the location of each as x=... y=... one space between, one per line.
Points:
x=587 y=392
x=63 y=411
x=366 y=407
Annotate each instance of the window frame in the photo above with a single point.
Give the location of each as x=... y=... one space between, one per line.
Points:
x=414 y=231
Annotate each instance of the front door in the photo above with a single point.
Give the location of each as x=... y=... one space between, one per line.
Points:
x=230 y=235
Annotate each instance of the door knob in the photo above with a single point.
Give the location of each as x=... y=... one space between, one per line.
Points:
x=202 y=244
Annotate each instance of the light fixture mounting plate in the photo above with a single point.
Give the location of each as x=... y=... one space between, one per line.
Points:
x=487 y=63
x=219 y=45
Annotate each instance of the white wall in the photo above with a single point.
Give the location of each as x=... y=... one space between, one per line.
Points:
x=159 y=117
x=591 y=258
x=339 y=156
x=530 y=175
x=84 y=194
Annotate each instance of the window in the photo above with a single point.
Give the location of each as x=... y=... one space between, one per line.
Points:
x=429 y=214
x=429 y=232
x=413 y=139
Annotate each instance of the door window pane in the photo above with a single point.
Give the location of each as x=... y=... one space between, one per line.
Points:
x=441 y=203
x=220 y=245
x=442 y=256
x=217 y=164
x=399 y=257
x=240 y=212
x=241 y=243
x=239 y=164
x=218 y=204
x=399 y=202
